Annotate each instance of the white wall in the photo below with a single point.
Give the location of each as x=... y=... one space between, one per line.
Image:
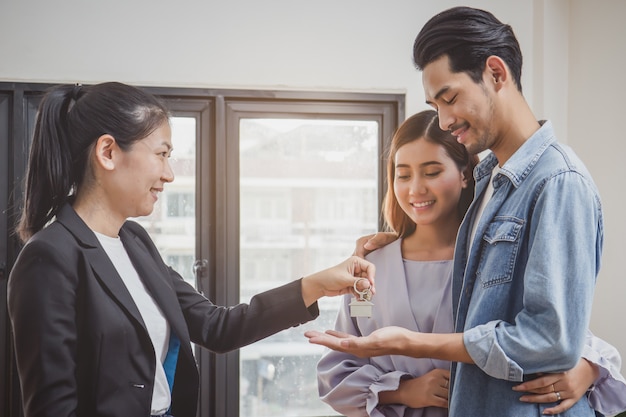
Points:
x=572 y=52
x=322 y=45
x=596 y=109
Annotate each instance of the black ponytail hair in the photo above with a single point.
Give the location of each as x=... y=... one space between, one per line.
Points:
x=70 y=119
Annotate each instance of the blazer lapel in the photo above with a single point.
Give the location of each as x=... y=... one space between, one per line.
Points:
x=99 y=261
x=154 y=278
x=157 y=282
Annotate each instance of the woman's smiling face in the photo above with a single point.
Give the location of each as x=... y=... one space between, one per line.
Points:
x=427 y=183
x=142 y=172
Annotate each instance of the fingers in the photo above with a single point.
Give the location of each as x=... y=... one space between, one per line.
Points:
x=560 y=408
x=440 y=401
x=443 y=390
x=564 y=388
x=551 y=394
x=360 y=249
x=549 y=397
x=369 y=243
x=331 y=339
x=327 y=334
x=361 y=285
x=541 y=385
x=319 y=338
x=374 y=242
x=445 y=383
x=364 y=270
x=337 y=333
x=540 y=390
x=538 y=386
x=380 y=239
x=363 y=267
x=312 y=333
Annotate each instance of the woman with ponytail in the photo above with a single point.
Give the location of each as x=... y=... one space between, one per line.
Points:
x=102 y=326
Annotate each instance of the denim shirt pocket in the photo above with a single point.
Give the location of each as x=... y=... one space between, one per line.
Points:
x=500 y=247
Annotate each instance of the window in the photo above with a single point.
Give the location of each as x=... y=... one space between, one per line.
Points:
x=313 y=181
x=180 y=204
x=269 y=186
x=307 y=180
x=18 y=106
x=6 y=380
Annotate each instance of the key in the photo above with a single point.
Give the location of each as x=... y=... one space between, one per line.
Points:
x=361 y=306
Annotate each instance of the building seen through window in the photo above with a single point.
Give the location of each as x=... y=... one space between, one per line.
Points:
x=308 y=190
x=172 y=223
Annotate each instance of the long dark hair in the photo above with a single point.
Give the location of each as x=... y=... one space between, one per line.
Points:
x=424 y=125
x=69 y=121
x=468 y=37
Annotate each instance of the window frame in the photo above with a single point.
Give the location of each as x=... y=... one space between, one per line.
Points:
x=337 y=106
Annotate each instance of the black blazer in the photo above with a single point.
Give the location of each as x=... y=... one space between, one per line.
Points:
x=81 y=346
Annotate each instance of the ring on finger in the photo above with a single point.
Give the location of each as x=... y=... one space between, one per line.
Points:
x=446 y=386
x=558 y=395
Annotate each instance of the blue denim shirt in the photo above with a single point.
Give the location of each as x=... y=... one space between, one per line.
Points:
x=523 y=295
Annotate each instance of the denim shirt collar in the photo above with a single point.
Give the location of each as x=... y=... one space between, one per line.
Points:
x=521 y=163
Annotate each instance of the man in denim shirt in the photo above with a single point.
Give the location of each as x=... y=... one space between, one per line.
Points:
x=528 y=251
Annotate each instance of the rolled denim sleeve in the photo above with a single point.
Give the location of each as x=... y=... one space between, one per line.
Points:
x=489 y=356
x=558 y=262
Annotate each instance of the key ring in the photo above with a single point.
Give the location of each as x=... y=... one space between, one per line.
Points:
x=365 y=294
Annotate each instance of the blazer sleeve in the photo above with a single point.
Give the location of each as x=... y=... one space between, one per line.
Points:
x=221 y=328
